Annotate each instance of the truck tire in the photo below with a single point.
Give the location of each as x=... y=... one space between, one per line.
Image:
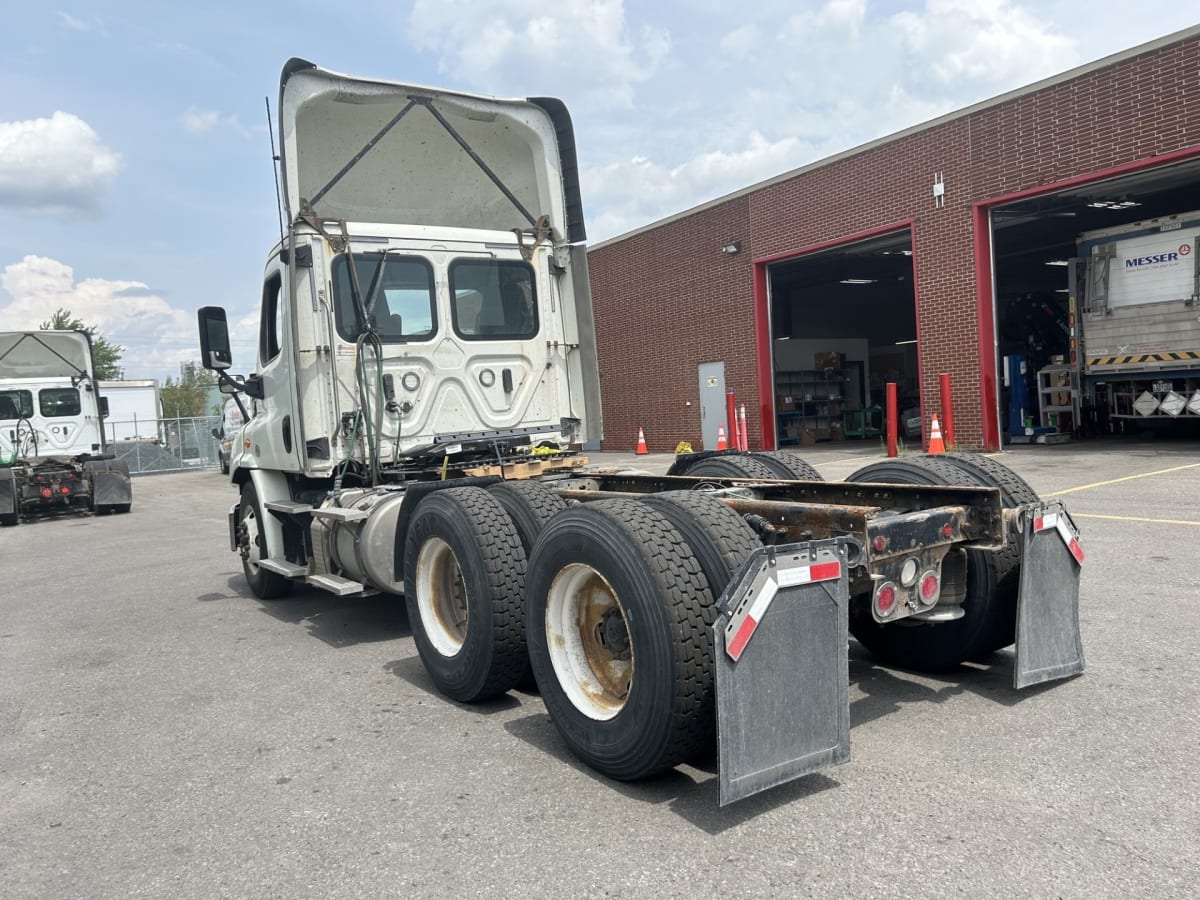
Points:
x=1015 y=491
x=786 y=464
x=464 y=569
x=935 y=646
x=616 y=609
x=732 y=465
x=530 y=505
x=252 y=544
x=719 y=538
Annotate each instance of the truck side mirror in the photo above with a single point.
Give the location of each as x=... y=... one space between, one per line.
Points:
x=214 y=338
x=104 y=407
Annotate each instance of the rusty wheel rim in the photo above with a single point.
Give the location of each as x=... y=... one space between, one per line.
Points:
x=441 y=596
x=588 y=640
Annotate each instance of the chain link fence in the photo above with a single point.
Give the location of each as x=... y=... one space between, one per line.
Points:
x=164 y=445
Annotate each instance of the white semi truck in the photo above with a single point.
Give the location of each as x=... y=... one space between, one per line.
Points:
x=1138 y=318
x=426 y=376
x=53 y=455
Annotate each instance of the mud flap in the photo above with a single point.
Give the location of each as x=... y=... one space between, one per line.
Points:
x=8 y=493
x=110 y=484
x=782 y=670
x=1048 y=642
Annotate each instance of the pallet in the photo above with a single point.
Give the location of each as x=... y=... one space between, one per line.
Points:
x=527 y=468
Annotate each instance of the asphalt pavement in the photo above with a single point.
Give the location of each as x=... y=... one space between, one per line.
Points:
x=165 y=734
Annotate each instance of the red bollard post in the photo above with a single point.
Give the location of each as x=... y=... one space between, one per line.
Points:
x=743 y=434
x=947 y=410
x=891 y=418
x=731 y=418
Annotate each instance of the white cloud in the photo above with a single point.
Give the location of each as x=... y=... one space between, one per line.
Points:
x=631 y=193
x=781 y=89
x=200 y=121
x=581 y=47
x=73 y=23
x=983 y=41
x=56 y=167
x=155 y=335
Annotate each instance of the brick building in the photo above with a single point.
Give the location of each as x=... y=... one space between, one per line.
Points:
x=939 y=249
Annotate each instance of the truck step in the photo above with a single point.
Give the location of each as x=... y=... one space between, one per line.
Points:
x=283 y=567
x=335 y=584
x=341 y=514
x=289 y=507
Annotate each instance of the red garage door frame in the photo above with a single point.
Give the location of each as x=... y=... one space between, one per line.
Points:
x=985 y=276
x=762 y=316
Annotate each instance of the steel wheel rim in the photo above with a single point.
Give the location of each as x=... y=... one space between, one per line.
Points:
x=253 y=535
x=441 y=597
x=587 y=637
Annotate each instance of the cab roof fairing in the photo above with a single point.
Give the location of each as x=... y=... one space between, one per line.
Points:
x=45 y=354
x=417 y=173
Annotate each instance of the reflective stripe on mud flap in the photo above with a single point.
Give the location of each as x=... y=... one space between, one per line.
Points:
x=1049 y=645
x=783 y=707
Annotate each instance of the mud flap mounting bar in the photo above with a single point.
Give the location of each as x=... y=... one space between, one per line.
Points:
x=782 y=671
x=1049 y=646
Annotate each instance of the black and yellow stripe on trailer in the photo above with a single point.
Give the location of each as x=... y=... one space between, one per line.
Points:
x=1175 y=356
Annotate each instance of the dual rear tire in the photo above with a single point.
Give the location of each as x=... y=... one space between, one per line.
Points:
x=992 y=576
x=613 y=608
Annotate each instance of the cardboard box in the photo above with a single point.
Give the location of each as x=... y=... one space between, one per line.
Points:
x=806 y=437
x=784 y=402
x=827 y=361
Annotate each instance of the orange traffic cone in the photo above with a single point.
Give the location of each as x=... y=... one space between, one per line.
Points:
x=642 y=449
x=936 y=444
x=721 y=443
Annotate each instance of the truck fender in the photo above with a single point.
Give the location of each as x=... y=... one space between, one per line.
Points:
x=271 y=486
x=413 y=494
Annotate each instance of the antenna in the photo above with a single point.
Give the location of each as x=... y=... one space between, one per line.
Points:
x=275 y=170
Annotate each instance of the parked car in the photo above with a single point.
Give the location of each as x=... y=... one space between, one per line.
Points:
x=231 y=424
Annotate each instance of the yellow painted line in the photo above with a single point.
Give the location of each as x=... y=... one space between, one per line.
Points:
x=1076 y=515
x=1095 y=484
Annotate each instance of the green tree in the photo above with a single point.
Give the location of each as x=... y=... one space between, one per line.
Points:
x=185 y=398
x=105 y=355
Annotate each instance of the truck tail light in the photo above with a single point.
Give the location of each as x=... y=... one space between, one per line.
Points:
x=929 y=588
x=47 y=492
x=885 y=599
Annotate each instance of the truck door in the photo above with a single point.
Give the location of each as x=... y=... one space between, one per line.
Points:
x=273 y=431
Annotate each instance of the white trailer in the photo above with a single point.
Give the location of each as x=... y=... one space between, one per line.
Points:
x=134 y=409
x=1138 y=320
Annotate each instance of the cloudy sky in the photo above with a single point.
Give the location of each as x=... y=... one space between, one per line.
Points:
x=135 y=173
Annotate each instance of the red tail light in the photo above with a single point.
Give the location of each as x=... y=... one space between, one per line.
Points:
x=929 y=587
x=885 y=599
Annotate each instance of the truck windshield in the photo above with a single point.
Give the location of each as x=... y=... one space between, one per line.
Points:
x=400 y=289
x=58 y=402
x=16 y=404
x=493 y=299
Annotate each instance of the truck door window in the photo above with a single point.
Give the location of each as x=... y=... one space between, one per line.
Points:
x=16 y=404
x=58 y=402
x=399 y=290
x=271 y=320
x=493 y=299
